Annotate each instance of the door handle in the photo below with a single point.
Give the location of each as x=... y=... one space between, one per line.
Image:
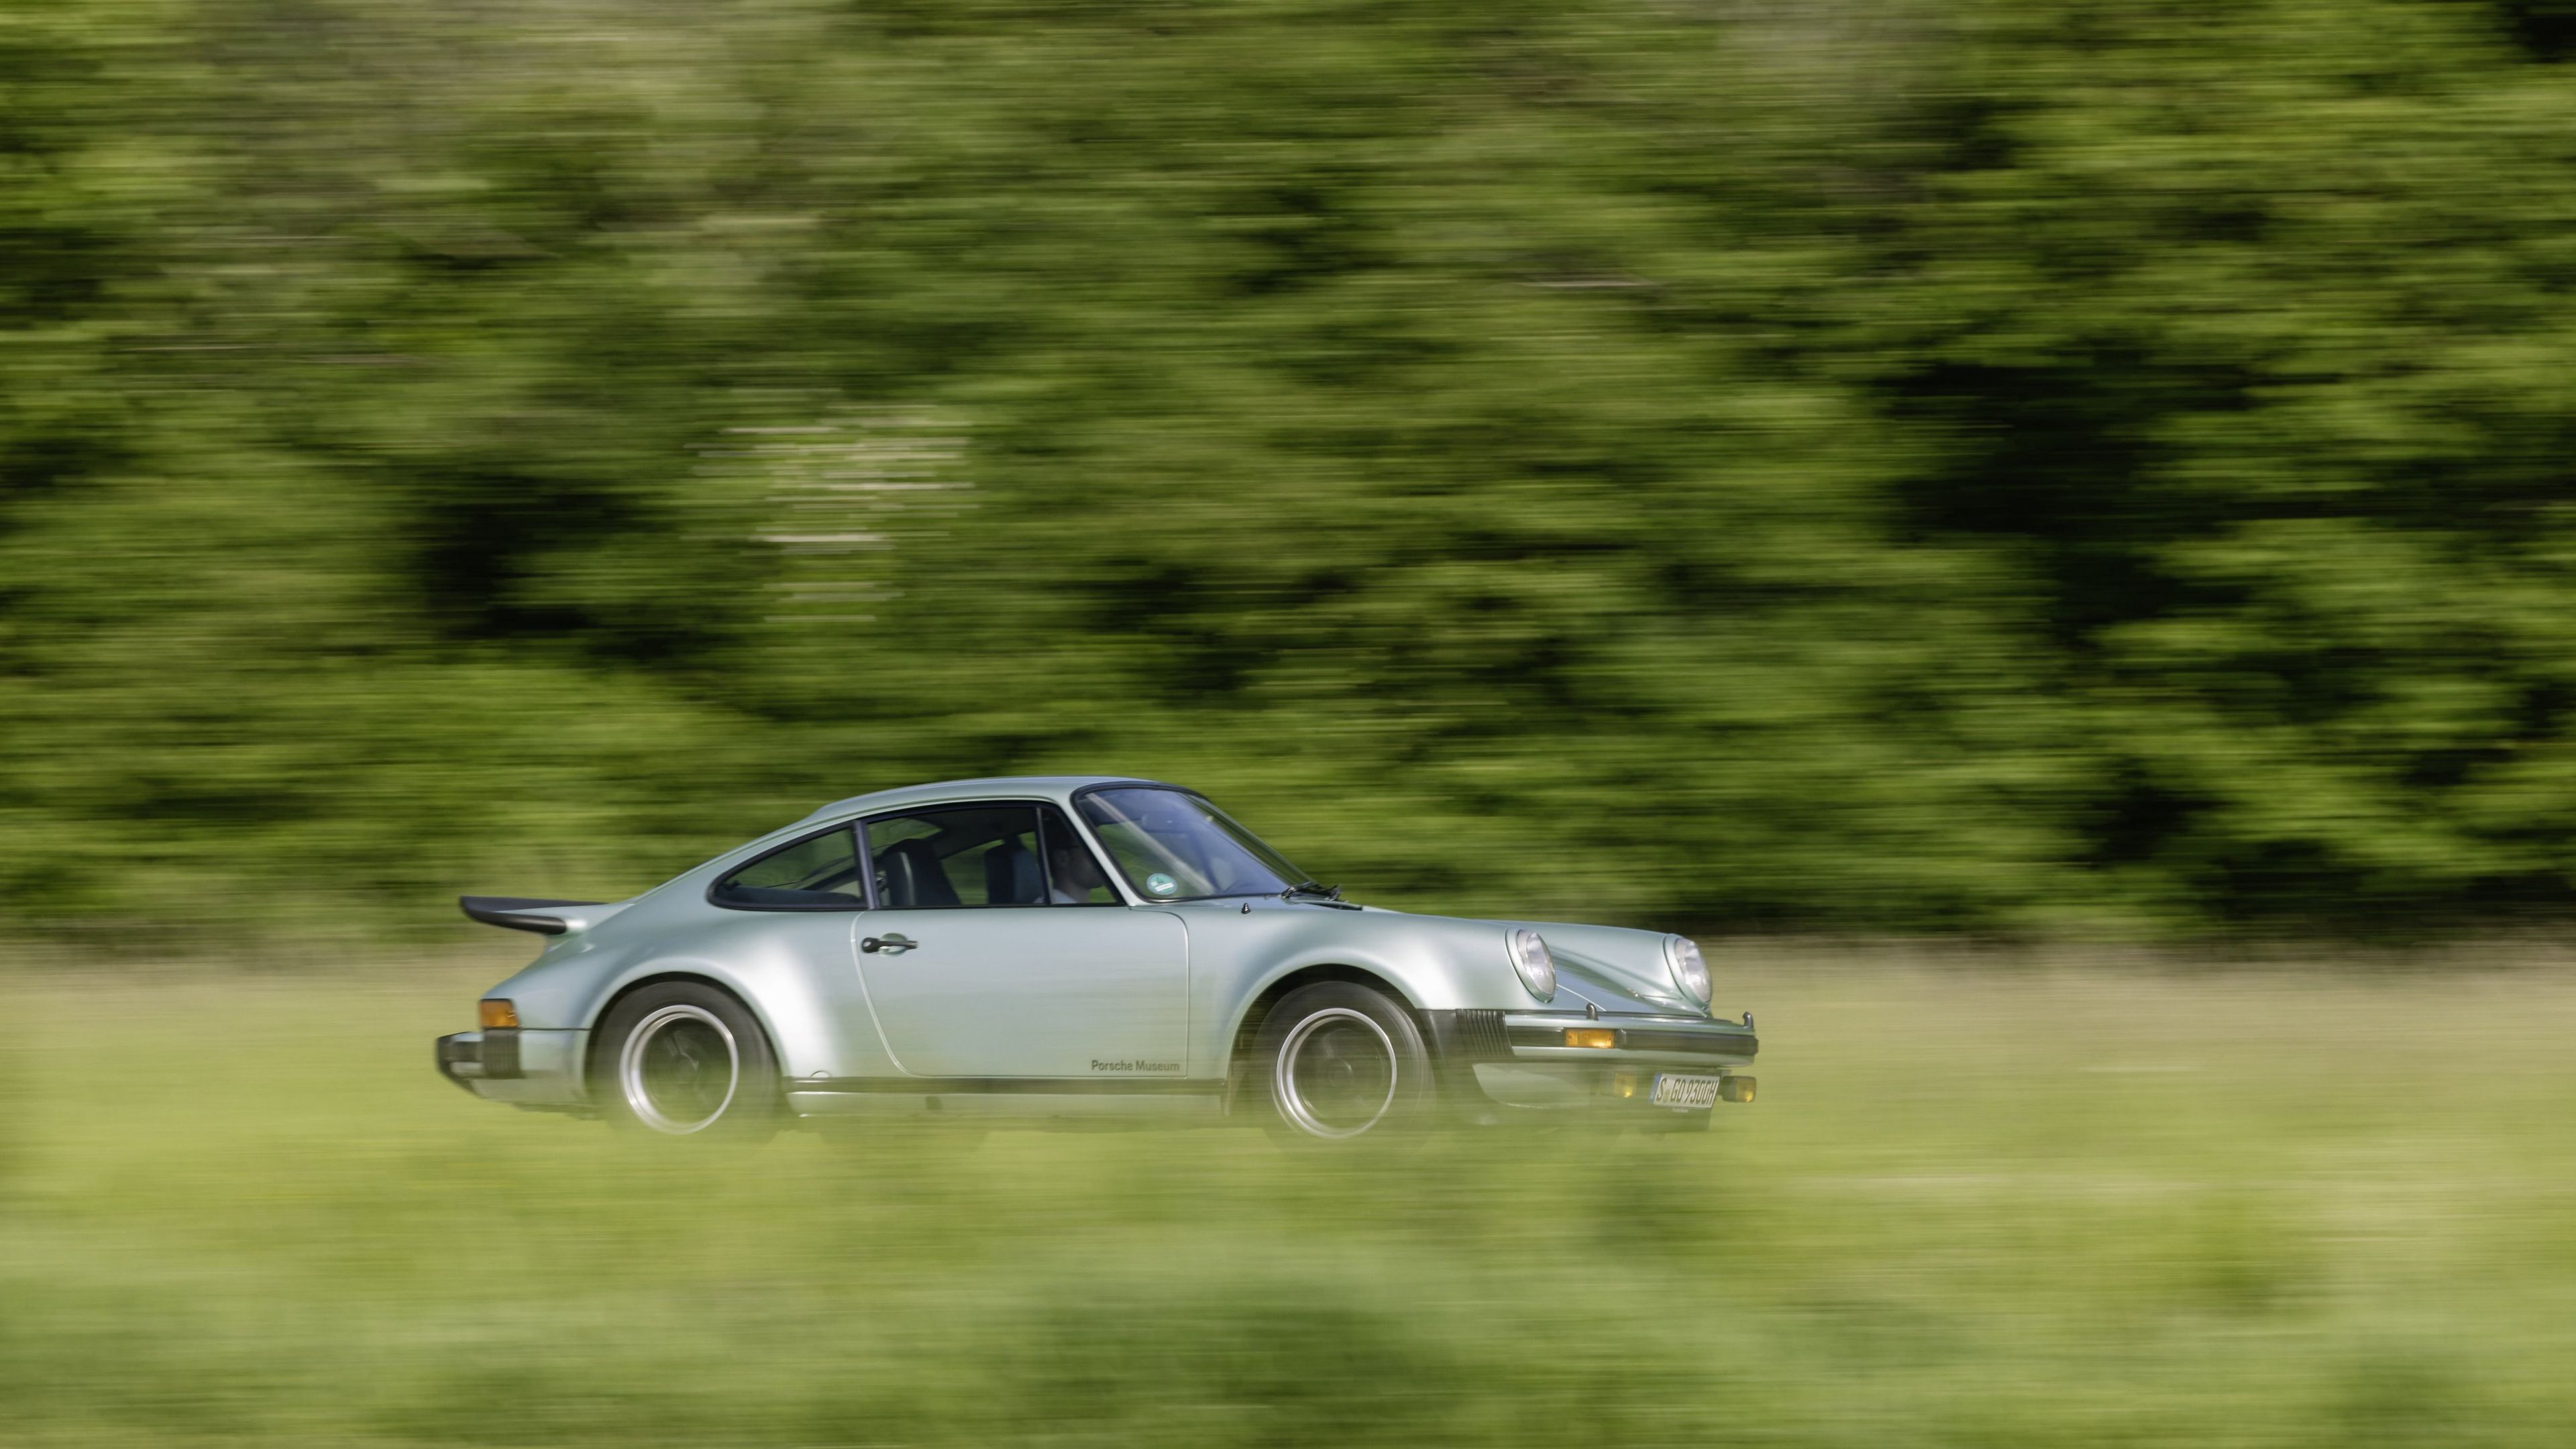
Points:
x=874 y=944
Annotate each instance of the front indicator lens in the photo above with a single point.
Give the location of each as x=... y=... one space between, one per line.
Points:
x=499 y=1013
x=1591 y=1036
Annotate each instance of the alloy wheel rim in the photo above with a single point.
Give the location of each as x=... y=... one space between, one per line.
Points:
x=1336 y=1074
x=679 y=1069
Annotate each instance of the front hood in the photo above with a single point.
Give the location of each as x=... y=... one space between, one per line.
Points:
x=1622 y=971
x=1579 y=986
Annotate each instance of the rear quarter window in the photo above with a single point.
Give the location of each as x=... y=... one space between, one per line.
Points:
x=820 y=872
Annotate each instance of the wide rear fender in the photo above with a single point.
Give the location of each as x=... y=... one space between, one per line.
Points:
x=572 y=990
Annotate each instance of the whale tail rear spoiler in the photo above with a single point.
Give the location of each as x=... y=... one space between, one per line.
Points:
x=546 y=918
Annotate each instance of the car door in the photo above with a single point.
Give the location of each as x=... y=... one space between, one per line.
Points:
x=998 y=949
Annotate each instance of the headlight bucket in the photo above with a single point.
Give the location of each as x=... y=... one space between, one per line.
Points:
x=1530 y=958
x=1689 y=967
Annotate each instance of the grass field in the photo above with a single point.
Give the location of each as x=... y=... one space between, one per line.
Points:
x=1975 y=1206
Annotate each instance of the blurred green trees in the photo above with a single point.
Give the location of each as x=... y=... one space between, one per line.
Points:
x=1862 y=464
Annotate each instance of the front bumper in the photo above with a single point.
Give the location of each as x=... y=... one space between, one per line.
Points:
x=525 y=1067
x=1499 y=1065
x=1678 y=1042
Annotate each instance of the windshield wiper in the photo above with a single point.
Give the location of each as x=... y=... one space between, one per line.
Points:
x=1328 y=894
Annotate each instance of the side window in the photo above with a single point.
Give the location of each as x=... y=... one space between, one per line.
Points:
x=820 y=872
x=1074 y=876
x=983 y=855
x=962 y=855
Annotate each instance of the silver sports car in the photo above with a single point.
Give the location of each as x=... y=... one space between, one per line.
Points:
x=1078 y=947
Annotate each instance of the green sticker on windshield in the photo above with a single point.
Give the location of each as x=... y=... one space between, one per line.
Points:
x=1161 y=884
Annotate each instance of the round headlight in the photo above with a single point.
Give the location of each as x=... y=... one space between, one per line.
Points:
x=1537 y=968
x=1690 y=969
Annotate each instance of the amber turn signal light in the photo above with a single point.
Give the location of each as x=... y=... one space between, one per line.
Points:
x=1591 y=1036
x=1736 y=1089
x=498 y=1013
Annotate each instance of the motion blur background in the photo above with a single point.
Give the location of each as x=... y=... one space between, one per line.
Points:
x=2088 y=477
x=1850 y=464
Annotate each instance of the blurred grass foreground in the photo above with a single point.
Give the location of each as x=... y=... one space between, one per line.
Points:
x=1873 y=465
x=2059 y=1205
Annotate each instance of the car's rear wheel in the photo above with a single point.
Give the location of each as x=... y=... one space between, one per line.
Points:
x=1339 y=1062
x=686 y=1060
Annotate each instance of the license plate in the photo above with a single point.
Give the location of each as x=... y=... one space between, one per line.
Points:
x=1695 y=1093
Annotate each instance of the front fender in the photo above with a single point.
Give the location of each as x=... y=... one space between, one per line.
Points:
x=1435 y=963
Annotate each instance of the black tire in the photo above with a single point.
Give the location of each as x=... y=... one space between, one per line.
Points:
x=1336 y=1063
x=685 y=1059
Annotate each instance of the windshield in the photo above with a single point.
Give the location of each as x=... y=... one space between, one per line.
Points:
x=1176 y=847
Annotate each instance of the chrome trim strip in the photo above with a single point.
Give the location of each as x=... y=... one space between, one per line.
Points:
x=1010 y=1086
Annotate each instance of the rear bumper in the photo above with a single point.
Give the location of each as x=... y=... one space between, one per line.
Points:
x=528 y=1068
x=472 y=1056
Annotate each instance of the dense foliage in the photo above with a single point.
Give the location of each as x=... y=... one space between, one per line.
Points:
x=1858 y=464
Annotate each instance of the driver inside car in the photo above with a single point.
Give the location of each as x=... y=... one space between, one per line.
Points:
x=1074 y=879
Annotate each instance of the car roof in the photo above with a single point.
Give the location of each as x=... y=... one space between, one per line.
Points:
x=1058 y=788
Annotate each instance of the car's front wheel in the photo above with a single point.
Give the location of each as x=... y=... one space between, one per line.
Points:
x=1340 y=1061
x=685 y=1059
